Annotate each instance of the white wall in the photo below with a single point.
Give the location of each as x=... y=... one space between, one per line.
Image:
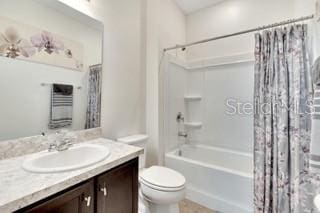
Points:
x=229 y=17
x=176 y=87
x=25 y=103
x=215 y=85
x=136 y=31
x=123 y=100
x=166 y=26
x=303 y=7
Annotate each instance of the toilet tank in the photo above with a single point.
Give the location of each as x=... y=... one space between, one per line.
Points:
x=139 y=141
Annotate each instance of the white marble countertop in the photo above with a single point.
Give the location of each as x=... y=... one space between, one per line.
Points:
x=19 y=188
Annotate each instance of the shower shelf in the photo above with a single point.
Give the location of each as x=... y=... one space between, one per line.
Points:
x=193 y=125
x=192 y=98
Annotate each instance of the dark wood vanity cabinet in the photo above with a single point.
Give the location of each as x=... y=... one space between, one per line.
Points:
x=115 y=191
x=76 y=200
x=118 y=190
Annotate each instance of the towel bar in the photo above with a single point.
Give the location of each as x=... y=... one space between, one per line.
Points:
x=46 y=84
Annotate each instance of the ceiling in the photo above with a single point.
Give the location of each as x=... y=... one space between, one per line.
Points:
x=190 y=6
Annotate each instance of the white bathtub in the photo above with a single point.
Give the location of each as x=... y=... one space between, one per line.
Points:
x=217 y=178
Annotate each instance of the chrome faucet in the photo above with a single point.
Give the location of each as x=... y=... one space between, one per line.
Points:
x=60 y=141
x=182 y=134
x=180 y=117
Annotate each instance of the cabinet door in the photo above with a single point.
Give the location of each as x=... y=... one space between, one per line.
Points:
x=77 y=200
x=117 y=190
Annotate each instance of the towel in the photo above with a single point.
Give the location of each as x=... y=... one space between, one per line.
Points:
x=316 y=103
x=61 y=106
x=316 y=72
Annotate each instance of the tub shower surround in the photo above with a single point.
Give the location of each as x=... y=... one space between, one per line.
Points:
x=217 y=178
x=29 y=145
x=212 y=158
x=20 y=41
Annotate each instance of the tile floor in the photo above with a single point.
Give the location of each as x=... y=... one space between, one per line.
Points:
x=187 y=206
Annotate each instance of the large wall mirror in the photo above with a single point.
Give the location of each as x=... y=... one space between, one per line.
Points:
x=50 y=68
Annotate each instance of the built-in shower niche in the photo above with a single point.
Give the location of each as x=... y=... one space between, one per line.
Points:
x=193 y=105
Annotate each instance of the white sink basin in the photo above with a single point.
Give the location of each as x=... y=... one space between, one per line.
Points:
x=76 y=157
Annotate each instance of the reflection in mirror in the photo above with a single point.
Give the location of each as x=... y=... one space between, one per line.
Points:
x=50 y=68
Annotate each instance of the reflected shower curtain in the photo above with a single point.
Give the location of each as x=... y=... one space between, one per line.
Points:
x=282 y=123
x=94 y=97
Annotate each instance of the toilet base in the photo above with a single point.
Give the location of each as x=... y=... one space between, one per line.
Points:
x=143 y=206
x=146 y=206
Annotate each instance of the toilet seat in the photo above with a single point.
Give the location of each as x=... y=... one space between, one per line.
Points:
x=162 y=179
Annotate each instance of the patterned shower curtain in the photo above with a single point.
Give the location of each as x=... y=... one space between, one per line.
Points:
x=282 y=123
x=94 y=97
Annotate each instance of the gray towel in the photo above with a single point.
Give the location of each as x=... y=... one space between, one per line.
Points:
x=315 y=148
x=61 y=106
x=316 y=103
x=316 y=72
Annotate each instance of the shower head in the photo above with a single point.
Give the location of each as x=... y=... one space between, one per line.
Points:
x=183 y=48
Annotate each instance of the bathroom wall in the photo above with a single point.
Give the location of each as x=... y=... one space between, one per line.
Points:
x=123 y=99
x=131 y=62
x=25 y=108
x=136 y=31
x=233 y=16
x=166 y=26
x=213 y=84
x=176 y=87
x=303 y=7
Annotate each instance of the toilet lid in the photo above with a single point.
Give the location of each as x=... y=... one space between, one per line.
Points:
x=163 y=177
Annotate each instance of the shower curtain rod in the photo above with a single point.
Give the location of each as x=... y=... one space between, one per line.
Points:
x=290 y=21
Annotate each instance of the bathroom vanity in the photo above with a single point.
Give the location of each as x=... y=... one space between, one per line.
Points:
x=113 y=191
x=108 y=186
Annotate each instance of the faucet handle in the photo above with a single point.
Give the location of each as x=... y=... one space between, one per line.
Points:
x=182 y=134
x=69 y=138
x=52 y=147
x=180 y=117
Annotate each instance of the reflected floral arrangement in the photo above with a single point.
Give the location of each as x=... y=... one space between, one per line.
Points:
x=12 y=45
x=47 y=42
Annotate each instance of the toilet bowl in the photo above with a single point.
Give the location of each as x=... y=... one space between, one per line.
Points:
x=161 y=188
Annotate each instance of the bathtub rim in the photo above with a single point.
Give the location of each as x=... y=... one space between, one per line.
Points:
x=173 y=154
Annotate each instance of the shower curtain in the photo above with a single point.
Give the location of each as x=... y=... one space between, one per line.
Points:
x=282 y=120
x=94 y=97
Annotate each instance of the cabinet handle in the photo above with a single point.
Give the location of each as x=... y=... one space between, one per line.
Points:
x=104 y=190
x=88 y=200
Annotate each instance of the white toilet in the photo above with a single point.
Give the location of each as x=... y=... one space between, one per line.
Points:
x=161 y=189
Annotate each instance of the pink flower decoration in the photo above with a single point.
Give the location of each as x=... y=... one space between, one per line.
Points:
x=11 y=45
x=47 y=42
